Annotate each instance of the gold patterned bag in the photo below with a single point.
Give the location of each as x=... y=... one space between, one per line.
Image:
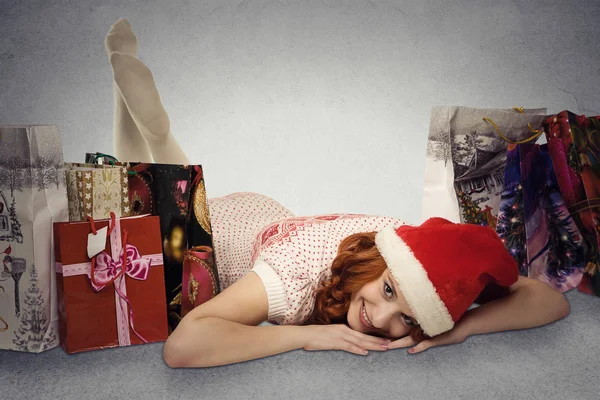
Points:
x=96 y=191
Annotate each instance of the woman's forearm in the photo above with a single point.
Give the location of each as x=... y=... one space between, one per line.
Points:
x=208 y=342
x=528 y=306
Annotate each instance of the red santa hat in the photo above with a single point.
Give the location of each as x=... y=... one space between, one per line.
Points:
x=442 y=267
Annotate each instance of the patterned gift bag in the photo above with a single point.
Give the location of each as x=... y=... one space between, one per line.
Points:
x=510 y=226
x=556 y=251
x=32 y=197
x=96 y=191
x=178 y=196
x=466 y=159
x=574 y=145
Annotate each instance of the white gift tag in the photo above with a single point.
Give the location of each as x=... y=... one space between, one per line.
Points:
x=97 y=243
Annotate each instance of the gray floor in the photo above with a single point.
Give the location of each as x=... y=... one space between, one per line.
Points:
x=557 y=361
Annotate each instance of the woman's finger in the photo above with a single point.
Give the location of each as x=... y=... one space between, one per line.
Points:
x=369 y=343
x=352 y=348
x=424 y=345
x=375 y=343
x=406 y=341
x=364 y=338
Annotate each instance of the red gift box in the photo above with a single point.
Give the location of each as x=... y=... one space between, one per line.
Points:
x=102 y=305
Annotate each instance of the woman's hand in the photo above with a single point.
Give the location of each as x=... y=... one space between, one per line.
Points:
x=341 y=337
x=457 y=334
x=528 y=303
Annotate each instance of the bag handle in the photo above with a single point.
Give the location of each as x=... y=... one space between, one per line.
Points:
x=140 y=169
x=110 y=159
x=536 y=132
x=584 y=205
x=113 y=161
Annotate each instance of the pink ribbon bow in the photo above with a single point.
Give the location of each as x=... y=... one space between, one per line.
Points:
x=107 y=268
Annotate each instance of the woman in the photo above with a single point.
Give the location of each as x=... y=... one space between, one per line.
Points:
x=336 y=282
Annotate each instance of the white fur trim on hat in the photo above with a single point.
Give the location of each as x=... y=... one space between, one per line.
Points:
x=420 y=294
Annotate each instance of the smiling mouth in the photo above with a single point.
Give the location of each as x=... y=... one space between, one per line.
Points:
x=364 y=317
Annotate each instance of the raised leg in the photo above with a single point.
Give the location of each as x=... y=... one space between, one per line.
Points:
x=136 y=88
x=128 y=142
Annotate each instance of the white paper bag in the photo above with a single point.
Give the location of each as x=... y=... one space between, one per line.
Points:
x=448 y=149
x=32 y=197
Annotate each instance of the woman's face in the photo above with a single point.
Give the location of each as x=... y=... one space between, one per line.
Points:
x=380 y=309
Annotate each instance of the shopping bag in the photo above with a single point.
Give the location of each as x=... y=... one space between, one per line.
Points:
x=96 y=191
x=556 y=251
x=32 y=197
x=574 y=146
x=113 y=296
x=466 y=159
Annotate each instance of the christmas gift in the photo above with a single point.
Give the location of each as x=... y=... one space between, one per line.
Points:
x=110 y=282
x=32 y=197
x=177 y=194
x=556 y=252
x=574 y=145
x=96 y=191
x=466 y=160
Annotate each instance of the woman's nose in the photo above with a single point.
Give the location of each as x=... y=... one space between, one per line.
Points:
x=383 y=314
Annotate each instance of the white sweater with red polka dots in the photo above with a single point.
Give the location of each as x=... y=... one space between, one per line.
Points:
x=291 y=255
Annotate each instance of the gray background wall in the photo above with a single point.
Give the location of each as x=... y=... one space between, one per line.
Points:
x=323 y=105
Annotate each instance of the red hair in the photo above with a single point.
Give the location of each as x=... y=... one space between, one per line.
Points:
x=357 y=263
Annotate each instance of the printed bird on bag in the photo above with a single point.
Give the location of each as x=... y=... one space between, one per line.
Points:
x=7 y=252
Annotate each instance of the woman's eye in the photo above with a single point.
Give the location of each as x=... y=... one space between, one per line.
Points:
x=388 y=290
x=408 y=321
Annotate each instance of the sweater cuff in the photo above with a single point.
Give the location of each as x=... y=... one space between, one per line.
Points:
x=275 y=290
